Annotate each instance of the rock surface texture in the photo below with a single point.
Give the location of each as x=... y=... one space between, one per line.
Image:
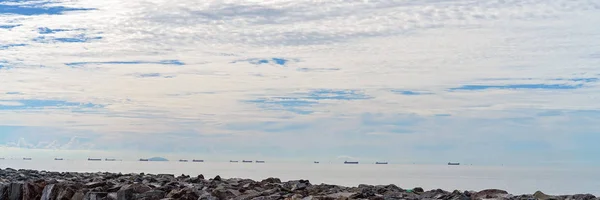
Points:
x=35 y=185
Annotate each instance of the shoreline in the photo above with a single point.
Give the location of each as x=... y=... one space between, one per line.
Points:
x=34 y=184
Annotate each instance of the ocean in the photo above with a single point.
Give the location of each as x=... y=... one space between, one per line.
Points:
x=515 y=180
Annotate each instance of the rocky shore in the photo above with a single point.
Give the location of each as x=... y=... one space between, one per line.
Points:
x=34 y=185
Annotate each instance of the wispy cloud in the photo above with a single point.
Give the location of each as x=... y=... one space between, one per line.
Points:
x=520 y=86
x=358 y=78
x=162 y=62
x=37 y=104
x=409 y=92
x=303 y=102
x=81 y=38
x=46 y=30
x=274 y=61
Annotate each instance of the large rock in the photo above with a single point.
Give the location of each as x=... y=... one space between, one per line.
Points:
x=580 y=197
x=364 y=191
x=32 y=191
x=296 y=185
x=435 y=194
x=66 y=193
x=95 y=184
x=185 y=194
x=15 y=191
x=151 y=195
x=50 y=192
x=225 y=193
x=418 y=190
x=539 y=195
x=57 y=192
x=490 y=194
x=456 y=195
x=129 y=192
x=79 y=195
x=4 y=189
x=271 y=180
x=96 y=196
x=323 y=189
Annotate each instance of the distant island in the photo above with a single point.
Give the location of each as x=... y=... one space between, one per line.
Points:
x=157 y=159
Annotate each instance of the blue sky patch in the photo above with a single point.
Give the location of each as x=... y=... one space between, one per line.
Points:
x=31 y=8
x=587 y=80
x=162 y=62
x=278 y=61
x=6 y=46
x=46 y=30
x=304 y=69
x=153 y=75
x=294 y=105
x=81 y=38
x=275 y=61
x=328 y=94
x=9 y=26
x=409 y=92
x=150 y=75
x=520 y=86
x=301 y=103
x=39 y=103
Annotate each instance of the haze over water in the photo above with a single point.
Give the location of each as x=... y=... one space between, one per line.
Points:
x=516 y=180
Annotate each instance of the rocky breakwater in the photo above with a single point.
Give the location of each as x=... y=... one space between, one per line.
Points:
x=33 y=185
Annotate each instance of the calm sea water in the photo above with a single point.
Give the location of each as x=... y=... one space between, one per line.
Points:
x=513 y=179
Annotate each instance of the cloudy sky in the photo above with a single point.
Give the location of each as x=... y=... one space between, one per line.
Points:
x=483 y=82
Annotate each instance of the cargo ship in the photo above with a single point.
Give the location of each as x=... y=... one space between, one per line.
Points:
x=26 y=158
x=260 y=161
x=233 y=161
x=110 y=159
x=354 y=163
x=316 y=162
x=58 y=159
x=381 y=163
x=144 y=160
x=451 y=163
x=183 y=160
x=246 y=161
x=94 y=159
x=197 y=160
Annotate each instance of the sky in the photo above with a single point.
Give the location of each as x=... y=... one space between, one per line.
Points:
x=482 y=82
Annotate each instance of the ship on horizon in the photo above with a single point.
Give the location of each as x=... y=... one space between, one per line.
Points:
x=58 y=159
x=197 y=160
x=144 y=160
x=26 y=158
x=316 y=162
x=233 y=161
x=110 y=159
x=94 y=159
x=246 y=161
x=347 y=162
x=451 y=163
x=260 y=161
x=381 y=163
x=183 y=160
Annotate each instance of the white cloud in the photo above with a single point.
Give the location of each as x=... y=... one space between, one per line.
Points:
x=376 y=45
